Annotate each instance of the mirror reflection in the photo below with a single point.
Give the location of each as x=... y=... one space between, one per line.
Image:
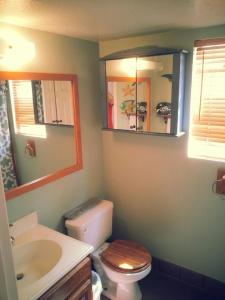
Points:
x=37 y=129
x=139 y=93
x=53 y=102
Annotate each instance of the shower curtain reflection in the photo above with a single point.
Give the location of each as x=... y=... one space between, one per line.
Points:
x=6 y=153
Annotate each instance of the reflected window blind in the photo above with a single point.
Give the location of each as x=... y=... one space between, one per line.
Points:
x=22 y=102
x=207 y=130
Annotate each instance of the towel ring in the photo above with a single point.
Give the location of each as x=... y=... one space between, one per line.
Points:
x=213 y=187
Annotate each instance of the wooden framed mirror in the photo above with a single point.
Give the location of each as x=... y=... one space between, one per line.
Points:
x=40 y=131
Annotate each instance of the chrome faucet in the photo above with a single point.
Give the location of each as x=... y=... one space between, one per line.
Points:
x=12 y=238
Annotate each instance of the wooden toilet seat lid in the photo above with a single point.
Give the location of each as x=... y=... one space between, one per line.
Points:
x=126 y=256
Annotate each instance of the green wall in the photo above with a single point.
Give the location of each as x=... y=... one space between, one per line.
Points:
x=162 y=198
x=60 y=54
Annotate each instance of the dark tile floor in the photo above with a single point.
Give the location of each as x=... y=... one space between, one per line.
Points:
x=157 y=286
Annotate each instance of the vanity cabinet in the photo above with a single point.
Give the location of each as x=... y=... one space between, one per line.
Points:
x=143 y=90
x=75 y=285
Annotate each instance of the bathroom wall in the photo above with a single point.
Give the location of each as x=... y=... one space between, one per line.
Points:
x=162 y=198
x=61 y=54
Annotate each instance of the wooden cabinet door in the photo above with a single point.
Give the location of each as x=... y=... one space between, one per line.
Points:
x=57 y=102
x=83 y=293
x=48 y=98
x=64 y=104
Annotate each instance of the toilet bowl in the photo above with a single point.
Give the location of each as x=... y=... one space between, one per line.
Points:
x=120 y=264
x=126 y=287
x=126 y=277
x=121 y=282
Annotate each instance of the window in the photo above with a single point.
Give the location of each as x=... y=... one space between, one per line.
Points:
x=207 y=125
x=21 y=96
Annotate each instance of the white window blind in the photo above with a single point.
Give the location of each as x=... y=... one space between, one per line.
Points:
x=207 y=126
x=23 y=109
x=22 y=100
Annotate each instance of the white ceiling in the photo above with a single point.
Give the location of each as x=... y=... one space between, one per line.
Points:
x=108 y=19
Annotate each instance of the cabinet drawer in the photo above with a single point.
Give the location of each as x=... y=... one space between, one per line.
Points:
x=70 y=283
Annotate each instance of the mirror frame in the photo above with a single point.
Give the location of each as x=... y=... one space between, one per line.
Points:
x=34 y=184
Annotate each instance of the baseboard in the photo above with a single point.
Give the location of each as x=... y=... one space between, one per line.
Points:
x=191 y=278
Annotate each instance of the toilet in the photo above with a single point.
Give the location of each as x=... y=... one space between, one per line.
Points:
x=121 y=263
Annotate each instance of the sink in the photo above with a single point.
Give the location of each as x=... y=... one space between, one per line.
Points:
x=35 y=259
x=42 y=256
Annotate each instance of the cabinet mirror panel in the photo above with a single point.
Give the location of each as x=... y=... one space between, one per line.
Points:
x=143 y=90
x=40 y=135
x=139 y=92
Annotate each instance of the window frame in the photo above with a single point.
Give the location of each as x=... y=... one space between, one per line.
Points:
x=206 y=137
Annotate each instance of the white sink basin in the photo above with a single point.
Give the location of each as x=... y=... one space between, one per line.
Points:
x=42 y=256
x=35 y=259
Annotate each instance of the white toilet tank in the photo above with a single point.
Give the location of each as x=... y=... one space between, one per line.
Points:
x=92 y=224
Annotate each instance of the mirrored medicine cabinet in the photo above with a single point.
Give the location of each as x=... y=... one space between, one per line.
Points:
x=40 y=131
x=143 y=90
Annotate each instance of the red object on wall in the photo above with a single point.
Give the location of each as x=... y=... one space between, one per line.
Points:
x=110 y=102
x=220 y=183
x=30 y=148
x=109 y=117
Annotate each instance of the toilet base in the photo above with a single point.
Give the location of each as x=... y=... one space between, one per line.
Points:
x=125 y=291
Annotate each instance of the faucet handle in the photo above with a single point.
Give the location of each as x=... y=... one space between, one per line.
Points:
x=12 y=239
